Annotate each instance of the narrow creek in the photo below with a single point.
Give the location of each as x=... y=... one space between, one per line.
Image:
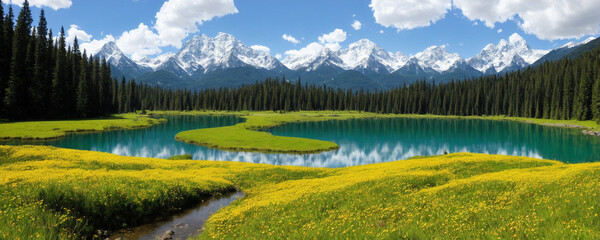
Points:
x=182 y=225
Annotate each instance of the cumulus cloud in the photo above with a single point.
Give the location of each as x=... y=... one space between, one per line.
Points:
x=178 y=18
x=337 y=36
x=261 y=48
x=409 y=14
x=54 y=4
x=278 y=56
x=75 y=31
x=310 y=50
x=356 y=25
x=548 y=19
x=139 y=42
x=499 y=30
x=95 y=45
x=289 y=38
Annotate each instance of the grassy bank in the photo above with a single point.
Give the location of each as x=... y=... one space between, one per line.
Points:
x=51 y=193
x=248 y=137
x=41 y=130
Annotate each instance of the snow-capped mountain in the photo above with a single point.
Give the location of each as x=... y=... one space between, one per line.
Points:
x=115 y=57
x=156 y=62
x=507 y=55
x=575 y=44
x=223 y=61
x=438 y=58
x=310 y=61
x=366 y=56
x=203 y=54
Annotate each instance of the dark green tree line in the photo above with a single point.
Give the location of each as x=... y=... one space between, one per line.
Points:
x=45 y=79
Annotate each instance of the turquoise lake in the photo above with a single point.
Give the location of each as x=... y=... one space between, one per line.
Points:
x=362 y=141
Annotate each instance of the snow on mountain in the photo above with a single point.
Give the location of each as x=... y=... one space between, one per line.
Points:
x=438 y=58
x=206 y=54
x=366 y=55
x=504 y=55
x=116 y=58
x=312 y=57
x=156 y=62
x=575 y=44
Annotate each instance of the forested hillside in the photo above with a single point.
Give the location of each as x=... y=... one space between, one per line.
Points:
x=46 y=79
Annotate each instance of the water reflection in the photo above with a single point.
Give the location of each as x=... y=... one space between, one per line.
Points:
x=362 y=141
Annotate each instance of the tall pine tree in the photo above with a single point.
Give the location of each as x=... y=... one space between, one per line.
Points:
x=60 y=89
x=5 y=55
x=17 y=100
x=596 y=100
x=41 y=79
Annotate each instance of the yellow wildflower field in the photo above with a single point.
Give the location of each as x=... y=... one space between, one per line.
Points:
x=51 y=193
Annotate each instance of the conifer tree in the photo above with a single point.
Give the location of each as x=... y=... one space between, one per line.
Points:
x=583 y=111
x=41 y=79
x=6 y=50
x=17 y=99
x=3 y=58
x=59 y=81
x=596 y=100
x=568 y=95
x=83 y=90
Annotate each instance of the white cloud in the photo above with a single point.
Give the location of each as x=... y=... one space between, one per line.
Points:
x=337 y=36
x=75 y=31
x=333 y=46
x=95 y=45
x=54 y=4
x=381 y=31
x=139 y=42
x=261 y=48
x=409 y=14
x=278 y=56
x=310 y=50
x=356 y=25
x=178 y=18
x=547 y=19
x=499 y=30
x=289 y=38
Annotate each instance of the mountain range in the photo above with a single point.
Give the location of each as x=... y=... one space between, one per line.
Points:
x=224 y=61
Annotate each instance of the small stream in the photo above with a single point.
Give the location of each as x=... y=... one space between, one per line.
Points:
x=183 y=225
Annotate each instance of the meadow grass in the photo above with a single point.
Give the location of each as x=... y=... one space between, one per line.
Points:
x=51 y=193
x=249 y=136
x=41 y=130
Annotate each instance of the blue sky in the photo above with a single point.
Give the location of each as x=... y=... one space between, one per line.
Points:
x=263 y=22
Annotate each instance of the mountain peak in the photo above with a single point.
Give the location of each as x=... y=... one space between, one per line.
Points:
x=509 y=53
x=515 y=38
x=438 y=58
x=366 y=56
x=115 y=57
x=110 y=47
x=220 y=52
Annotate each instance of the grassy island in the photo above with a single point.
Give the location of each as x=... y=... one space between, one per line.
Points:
x=42 y=130
x=248 y=136
x=53 y=193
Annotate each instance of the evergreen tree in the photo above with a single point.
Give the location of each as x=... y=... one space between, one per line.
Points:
x=596 y=100
x=584 y=98
x=59 y=81
x=83 y=90
x=6 y=53
x=41 y=79
x=17 y=101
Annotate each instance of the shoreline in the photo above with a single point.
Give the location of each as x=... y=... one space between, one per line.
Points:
x=246 y=136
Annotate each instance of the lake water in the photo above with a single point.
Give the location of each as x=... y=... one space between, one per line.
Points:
x=362 y=141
